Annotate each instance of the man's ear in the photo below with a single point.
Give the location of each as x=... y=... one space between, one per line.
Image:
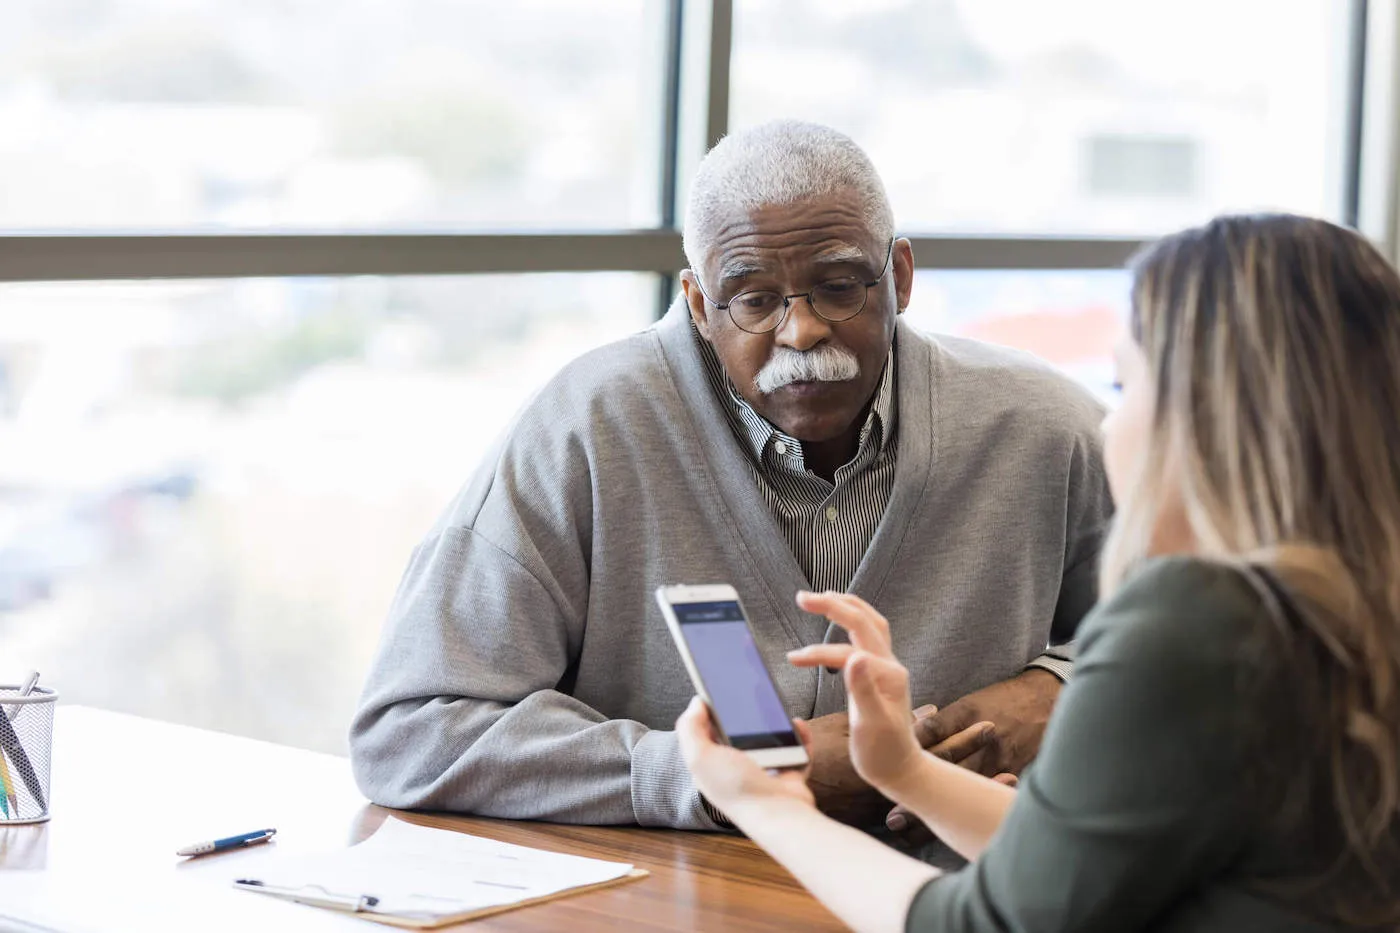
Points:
x=690 y=286
x=903 y=273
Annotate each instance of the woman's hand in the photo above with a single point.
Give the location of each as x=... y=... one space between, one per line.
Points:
x=883 y=748
x=860 y=879
x=727 y=777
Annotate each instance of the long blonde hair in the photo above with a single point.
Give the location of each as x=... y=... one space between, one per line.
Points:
x=1273 y=343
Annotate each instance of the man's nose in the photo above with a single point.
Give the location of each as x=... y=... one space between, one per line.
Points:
x=803 y=328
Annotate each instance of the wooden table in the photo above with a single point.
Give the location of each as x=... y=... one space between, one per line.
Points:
x=127 y=792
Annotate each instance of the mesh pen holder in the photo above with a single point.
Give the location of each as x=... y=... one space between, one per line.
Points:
x=26 y=743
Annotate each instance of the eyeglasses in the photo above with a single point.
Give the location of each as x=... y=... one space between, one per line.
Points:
x=834 y=301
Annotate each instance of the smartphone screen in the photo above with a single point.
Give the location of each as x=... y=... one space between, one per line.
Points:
x=742 y=693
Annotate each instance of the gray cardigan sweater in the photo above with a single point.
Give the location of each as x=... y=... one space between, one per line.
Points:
x=525 y=671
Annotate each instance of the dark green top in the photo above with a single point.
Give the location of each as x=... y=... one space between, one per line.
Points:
x=1165 y=796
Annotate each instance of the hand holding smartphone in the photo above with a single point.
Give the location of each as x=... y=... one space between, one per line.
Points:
x=715 y=641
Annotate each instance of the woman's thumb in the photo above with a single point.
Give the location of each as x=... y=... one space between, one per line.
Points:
x=860 y=677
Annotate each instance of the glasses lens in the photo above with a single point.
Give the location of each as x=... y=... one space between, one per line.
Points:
x=839 y=299
x=757 y=312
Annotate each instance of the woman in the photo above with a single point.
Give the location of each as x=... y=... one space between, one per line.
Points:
x=1227 y=756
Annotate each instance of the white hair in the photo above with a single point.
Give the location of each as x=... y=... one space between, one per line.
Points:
x=778 y=163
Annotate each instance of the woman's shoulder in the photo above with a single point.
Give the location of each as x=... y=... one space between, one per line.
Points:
x=1181 y=609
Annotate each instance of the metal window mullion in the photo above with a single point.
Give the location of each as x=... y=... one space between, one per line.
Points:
x=1355 y=93
x=148 y=256
x=183 y=256
x=670 y=139
x=721 y=52
x=703 y=101
x=1024 y=252
x=1377 y=189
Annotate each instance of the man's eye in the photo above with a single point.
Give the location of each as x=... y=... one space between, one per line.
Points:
x=839 y=287
x=757 y=301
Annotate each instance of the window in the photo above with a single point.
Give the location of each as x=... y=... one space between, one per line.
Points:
x=1079 y=116
x=418 y=113
x=210 y=488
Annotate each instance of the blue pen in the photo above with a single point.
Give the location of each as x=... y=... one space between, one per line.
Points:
x=232 y=842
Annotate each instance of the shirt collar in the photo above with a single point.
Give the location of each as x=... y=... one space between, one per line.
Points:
x=758 y=435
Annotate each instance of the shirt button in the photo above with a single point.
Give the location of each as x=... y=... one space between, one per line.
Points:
x=831 y=513
x=780 y=447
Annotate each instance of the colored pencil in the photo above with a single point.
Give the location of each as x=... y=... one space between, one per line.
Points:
x=7 y=785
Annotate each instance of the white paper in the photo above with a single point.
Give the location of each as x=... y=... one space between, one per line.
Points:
x=424 y=873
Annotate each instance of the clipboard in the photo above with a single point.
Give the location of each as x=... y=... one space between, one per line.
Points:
x=415 y=877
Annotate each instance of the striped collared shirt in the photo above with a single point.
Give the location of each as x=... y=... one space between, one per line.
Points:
x=828 y=527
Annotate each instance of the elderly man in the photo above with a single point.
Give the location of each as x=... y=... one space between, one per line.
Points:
x=781 y=429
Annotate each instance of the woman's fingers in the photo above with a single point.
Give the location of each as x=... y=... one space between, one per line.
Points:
x=693 y=730
x=725 y=775
x=878 y=677
x=833 y=655
x=804 y=733
x=860 y=680
x=878 y=686
x=868 y=629
x=850 y=612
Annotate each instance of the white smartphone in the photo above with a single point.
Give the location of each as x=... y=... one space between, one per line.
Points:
x=716 y=643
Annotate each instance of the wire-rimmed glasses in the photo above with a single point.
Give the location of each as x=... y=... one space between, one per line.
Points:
x=834 y=300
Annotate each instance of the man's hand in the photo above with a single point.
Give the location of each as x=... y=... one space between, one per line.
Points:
x=840 y=792
x=1019 y=708
x=877 y=741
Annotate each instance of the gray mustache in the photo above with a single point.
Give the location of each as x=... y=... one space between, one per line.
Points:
x=823 y=363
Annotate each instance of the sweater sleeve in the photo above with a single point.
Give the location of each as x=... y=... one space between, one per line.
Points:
x=462 y=709
x=1139 y=793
